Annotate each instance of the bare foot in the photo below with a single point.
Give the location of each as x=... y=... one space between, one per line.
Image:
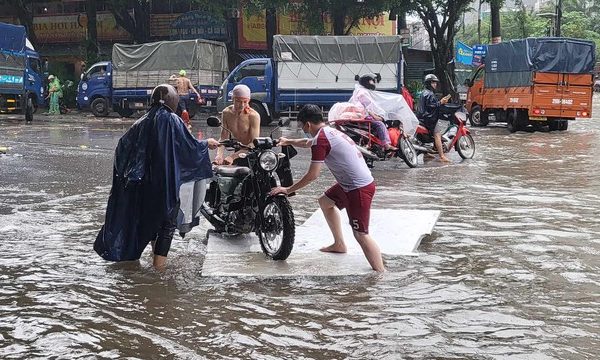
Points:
x=444 y=159
x=335 y=248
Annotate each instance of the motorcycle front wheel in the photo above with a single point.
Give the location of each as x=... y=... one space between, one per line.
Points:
x=408 y=152
x=276 y=233
x=465 y=146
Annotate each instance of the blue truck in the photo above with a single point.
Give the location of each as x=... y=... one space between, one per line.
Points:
x=21 y=73
x=125 y=83
x=320 y=70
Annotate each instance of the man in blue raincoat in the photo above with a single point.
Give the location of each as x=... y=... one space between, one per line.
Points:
x=153 y=158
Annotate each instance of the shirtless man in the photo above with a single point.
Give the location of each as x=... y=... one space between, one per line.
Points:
x=183 y=86
x=241 y=120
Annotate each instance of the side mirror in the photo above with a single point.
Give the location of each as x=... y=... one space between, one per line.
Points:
x=284 y=121
x=213 y=121
x=81 y=77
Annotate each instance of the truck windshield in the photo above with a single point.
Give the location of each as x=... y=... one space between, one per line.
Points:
x=96 y=71
x=478 y=74
x=252 y=70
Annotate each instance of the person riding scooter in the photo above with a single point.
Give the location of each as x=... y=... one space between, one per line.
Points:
x=362 y=95
x=428 y=112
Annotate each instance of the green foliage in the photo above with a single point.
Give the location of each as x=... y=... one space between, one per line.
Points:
x=441 y=19
x=415 y=88
x=523 y=23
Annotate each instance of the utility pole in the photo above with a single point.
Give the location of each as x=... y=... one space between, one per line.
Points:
x=558 y=18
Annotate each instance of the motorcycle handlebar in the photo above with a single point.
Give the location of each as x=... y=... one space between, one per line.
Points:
x=259 y=143
x=233 y=143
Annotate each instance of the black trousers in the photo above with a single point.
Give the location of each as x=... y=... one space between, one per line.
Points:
x=164 y=237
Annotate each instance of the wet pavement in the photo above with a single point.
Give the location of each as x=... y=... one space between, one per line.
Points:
x=510 y=272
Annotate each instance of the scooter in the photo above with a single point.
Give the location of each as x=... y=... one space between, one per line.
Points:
x=61 y=103
x=238 y=201
x=455 y=136
x=371 y=147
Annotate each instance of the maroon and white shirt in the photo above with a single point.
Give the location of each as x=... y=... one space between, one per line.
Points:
x=341 y=156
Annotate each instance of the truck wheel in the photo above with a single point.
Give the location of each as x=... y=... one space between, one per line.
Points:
x=522 y=120
x=511 y=124
x=124 y=112
x=478 y=117
x=563 y=125
x=100 y=107
x=516 y=121
x=552 y=125
x=29 y=110
x=264 y=118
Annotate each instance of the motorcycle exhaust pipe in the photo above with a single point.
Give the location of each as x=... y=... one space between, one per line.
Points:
x=420 y=148
x=366 y=153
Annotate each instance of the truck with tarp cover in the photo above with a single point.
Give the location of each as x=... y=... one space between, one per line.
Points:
x=321 y=70
x=21 y=73
x=533 y=81
x=125 y=83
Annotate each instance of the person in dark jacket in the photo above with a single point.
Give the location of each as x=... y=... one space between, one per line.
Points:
x=153 y=158
x=428 y=111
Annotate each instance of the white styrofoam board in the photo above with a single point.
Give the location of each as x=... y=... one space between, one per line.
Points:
x=398 y=232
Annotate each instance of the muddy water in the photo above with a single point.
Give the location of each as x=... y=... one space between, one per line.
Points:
x=511 y=270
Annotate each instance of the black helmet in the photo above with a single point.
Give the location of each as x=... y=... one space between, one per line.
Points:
x=368 y=81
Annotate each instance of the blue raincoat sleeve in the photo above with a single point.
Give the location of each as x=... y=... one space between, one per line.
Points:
x=153 y=158
x=428 y=109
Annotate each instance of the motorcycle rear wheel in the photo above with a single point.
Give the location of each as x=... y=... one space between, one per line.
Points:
x=465 y=146
x=408 y=153
x=277 y=233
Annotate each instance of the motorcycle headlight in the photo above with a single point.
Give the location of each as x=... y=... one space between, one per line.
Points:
x=268 y=160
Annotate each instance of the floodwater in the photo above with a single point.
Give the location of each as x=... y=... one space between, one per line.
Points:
x=510 y=272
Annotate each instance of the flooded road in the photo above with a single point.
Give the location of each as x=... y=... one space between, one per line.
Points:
x=511 y=271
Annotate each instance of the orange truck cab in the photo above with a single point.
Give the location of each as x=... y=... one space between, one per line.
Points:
x=534 y=81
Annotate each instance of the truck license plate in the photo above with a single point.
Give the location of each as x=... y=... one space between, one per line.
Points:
x=139 y=105
x=208 y=102
x=543 y=118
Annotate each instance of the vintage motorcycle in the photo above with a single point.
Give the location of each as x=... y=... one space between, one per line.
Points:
x=371 y=147
x=456 y=136
x=237 y=200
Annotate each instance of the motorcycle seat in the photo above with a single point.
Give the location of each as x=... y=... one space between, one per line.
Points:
x=422 y=127
x=232 y=170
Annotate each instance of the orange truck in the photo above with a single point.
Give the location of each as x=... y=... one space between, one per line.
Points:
x=533 y=82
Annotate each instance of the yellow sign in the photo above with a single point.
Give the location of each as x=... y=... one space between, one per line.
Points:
x=72 y=28
x=252 y=32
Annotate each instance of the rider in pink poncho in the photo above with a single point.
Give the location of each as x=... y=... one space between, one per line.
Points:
x=362 y=95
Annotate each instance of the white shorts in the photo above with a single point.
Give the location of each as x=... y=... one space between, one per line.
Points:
x=441 y=127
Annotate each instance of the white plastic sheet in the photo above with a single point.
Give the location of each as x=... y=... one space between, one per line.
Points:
x=389 y=106
x=191 y=198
